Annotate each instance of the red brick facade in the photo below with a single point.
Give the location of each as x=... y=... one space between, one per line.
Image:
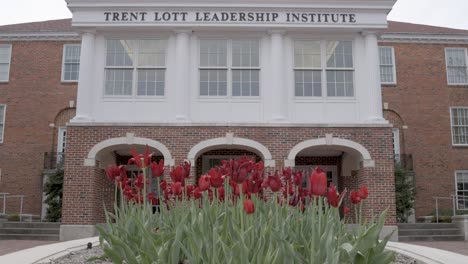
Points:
x=84 y=200
x=419 y=105
x=34 y=96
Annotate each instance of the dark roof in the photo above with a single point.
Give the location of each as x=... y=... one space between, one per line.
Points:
x=408 y=28
x=64 y=25
x=61 y=25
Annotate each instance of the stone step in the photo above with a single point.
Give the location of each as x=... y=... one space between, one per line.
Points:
x=44 y=237
x=427 y=226
x=29 y=225
x=29 y=231
x=429 y=232
x=431 y=238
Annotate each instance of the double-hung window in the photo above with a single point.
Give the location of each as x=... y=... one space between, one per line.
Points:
x=307 y=68
x=459 y=116
x=5 y=60
x=2 y=121
x=461 y=178
x=320 y=65
x=387 y=65
x=457 y=70
x=71 y=62
x=229 y=68
x=135 y=68
x=340 y=69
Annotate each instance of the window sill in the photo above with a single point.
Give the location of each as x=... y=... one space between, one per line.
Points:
x=224 y=99
x=68 y=82
x=464 y=85
x=325 y=100
x=389 y=85
x=133 y=99
x=460 y=145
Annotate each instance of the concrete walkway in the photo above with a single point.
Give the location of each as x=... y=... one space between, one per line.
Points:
x=10 y=246
x=460 y=247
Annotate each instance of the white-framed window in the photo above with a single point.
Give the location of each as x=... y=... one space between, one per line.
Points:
x=229 y=68
x=320 y=65
x=2 y=121
x=459 y=121
x=71 y=62
x=135 y=68
x=461 y=182
x=5 y=62
x=396 y=144
x=387 y=65
x=457 y=70
x=61 y=143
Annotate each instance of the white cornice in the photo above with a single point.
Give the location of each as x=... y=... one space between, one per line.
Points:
x=40 y=36
x=120 y=124
x=424 y=38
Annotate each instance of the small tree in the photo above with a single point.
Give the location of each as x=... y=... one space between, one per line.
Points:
x=54 y=191
x=404 y=195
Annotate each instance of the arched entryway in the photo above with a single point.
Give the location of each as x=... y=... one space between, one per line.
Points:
x=209 y=153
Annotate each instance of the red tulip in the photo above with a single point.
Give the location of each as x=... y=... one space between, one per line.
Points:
x=318 y=182
x=249 y=207
x=176 y=188
x=288 y=188
x=274 y=182
x=117 y=174
x=252 y=186
x=346 y=210
x=363 y=192
x=197 y=193
x=138 y=182
x=355 y=198
x=298 y=178
x=187 y=166
x=163 y=185
x=204 y=183
x=153 y=199
x=333 y=197
x=216 y=178
x=294 y=200
x=137 y=158
x=221 y=193
x=157 y=168
x=287 y=174
x=178 y=174
x=189 y=191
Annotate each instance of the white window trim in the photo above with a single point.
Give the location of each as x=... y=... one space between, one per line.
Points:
x=135 y=67
x=3 y=123
x=63 y=63
x=397 y=147
x=456 y=187
x=393 y=66
x=9 y=64
x=447 y=67
x=324 y=69
x=229 y=68
x=451 y=125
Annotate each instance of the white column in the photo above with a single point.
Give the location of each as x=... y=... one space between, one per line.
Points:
x=85 y=83
x=182 y=74
x=279 y=93
x=373 y=77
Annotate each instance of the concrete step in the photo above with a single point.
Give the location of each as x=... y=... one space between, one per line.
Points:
x=30 y=231
x=29 y=225
x=426 y=226
x=429 y=232
x=44 y=237
x=431 y=238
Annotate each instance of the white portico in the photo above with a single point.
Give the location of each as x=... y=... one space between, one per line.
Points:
x=252 y=62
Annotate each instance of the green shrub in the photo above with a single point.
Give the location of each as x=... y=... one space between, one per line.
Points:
x=53 y=189
x=404 y=195
x=13 y=218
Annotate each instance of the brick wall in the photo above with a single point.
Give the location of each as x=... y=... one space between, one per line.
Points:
x=34 y=97
x=422 y=99
x=80 y=197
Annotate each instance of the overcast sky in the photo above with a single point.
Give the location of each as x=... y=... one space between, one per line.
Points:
x=445 y=13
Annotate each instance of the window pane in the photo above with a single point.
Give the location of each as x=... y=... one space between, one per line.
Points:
x=308 y=83
x=151 y=82
x=2 y=121
x=339 y=54
x=152 y=53
x=118 y=82
x=245 y=53
x=72 y=53
x=307 y=54
x=213 y=53
x=460 y=125
x=456 y=66
x=213 y=82
x=386 y=65
x=340 y=83
x=245 y=82
x=5 y=53
x=120 y=52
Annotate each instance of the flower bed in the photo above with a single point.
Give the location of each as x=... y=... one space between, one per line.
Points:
x=236 y=215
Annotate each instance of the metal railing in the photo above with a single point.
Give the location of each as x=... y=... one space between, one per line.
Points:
x=455 y=200
x=6 y=196
x=53 y=159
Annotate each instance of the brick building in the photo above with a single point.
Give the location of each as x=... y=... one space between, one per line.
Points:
x=290 y=93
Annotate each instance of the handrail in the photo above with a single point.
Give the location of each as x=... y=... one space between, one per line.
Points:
x=6 y=195
x=454 y=199
x=4 y=201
